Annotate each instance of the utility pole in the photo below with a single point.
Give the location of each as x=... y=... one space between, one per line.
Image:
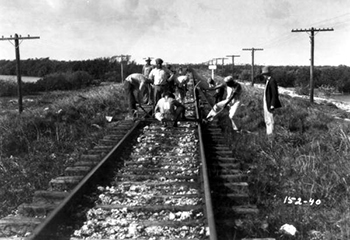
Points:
x=312 y=42
x=222 y=61
x=216 y=60
x=122 y=58
x=233 y=62
x=252 y=68
x=18 y=65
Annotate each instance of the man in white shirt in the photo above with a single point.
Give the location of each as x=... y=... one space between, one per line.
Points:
x=181 y=87
x=169 y=109
x=160 y=77
x=233 y=96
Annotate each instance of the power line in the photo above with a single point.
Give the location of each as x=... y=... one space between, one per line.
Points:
x=312 y=41
x=18 y=65
x=233 y=61
x=252 y=68
x=339 y=22
x=330 y=20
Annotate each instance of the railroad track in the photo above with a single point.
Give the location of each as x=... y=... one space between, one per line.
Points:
x=228 y=182
x=143 y=181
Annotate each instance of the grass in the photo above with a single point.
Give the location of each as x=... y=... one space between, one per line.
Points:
x=50 y=134
x=308 y=160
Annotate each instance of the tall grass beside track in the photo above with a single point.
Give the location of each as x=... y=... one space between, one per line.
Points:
x=40 y=143
x=309 y=159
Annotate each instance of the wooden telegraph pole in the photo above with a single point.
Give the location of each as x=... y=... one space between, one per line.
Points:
x=233 y=62
x=122 y=58
x=216 y=60
x=252 y=68
x=312 y=42
x=222 y=62
x=18 y=65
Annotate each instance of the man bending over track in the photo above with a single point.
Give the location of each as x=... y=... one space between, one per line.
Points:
x=135 y=85
x=233 y=95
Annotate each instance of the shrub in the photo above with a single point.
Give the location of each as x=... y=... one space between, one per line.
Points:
x=112 y=76
x=8 y=88
x=65 y=81
x=302 y=90
x=55 y=81
x=245 y=75
x=80 y=79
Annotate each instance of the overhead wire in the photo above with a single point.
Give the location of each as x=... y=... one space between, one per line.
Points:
x=338 y=22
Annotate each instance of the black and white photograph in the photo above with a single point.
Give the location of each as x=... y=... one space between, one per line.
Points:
x=175 y=119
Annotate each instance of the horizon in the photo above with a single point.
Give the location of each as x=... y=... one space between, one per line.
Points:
x=200 y=63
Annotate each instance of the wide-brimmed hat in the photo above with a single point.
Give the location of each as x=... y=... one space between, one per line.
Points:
x=265 y=70
x=148 y=59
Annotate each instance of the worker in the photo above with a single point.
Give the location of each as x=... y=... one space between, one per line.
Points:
x=168 y=109
x=233 y=95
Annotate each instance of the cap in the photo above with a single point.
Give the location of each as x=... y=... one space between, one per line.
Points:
x=158 y=60
x=228 y=79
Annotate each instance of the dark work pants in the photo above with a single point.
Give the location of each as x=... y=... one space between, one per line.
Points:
x=158 y=91
x=129 y=92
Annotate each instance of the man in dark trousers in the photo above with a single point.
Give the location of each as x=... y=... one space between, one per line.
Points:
x=160 y=76
x=271 y=100
x=134 y=86
x=146 y=69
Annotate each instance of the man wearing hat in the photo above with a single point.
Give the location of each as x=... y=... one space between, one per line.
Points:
x=233 y=96
x=160 y=77
x=146 y=69
x=271 y=99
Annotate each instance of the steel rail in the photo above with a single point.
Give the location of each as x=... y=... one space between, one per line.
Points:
x=49 y=226
x=207 y=191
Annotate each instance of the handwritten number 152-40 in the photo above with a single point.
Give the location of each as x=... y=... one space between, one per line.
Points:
x=299 y=201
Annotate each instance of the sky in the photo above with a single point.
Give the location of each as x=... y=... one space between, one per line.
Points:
x=179 y=31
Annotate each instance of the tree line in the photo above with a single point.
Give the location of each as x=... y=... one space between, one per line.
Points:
x=331 y=77
x=108 y=69
x=104 y=69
